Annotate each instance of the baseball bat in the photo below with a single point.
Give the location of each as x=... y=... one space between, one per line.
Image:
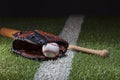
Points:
x=103 y=53
x=7 y=32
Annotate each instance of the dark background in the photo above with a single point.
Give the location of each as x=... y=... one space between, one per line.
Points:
x=18 y=8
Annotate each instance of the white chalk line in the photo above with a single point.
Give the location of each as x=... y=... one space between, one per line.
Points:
x=60 y=69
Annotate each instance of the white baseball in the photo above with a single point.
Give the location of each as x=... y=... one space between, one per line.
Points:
x=50 y=50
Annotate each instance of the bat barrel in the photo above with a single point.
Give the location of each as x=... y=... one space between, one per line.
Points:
x=103 y=53
x=7 y=32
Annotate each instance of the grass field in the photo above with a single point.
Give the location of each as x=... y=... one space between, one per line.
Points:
x=13 y=67
x=98 y=32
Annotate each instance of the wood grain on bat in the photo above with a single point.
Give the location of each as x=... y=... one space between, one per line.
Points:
x=7 y=32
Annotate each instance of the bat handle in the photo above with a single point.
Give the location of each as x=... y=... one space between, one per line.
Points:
x=103 y=53
x=7 y=32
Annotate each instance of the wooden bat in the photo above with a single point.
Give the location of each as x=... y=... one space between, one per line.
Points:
x=103 y=53
x=7 y=32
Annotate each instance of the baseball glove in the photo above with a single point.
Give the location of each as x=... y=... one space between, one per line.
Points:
x=29 y=44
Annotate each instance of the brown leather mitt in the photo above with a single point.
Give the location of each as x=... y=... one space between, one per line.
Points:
x=29 y=44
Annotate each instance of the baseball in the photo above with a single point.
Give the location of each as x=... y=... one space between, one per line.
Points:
x=50 y=50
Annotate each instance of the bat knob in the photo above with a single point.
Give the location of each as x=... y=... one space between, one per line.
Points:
x=104 y=53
